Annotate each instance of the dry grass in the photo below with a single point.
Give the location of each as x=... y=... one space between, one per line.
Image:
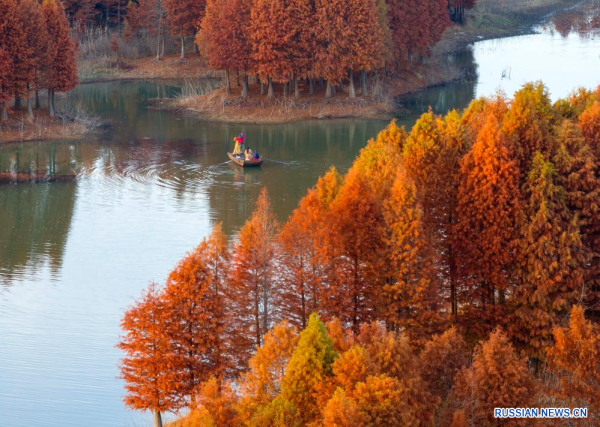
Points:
x=67 y=124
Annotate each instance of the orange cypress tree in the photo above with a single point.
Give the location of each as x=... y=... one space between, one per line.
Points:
x=528 y=124
x=332 y=32
x=301 y=17
x=390 y=355
x=431 y=157
x=365 y=42
x=147 y=368
x=29 y=13
x=497 y=379
x=551 y=261
x=11 y=42
x=413 y=295
x=378 y=161
x=227 y=47
x=272 y=41
x=195 y=312
x=575 y=360
x=441 y=359
x=61 y=69
x=488 y=216
x=184 y=16
x=262 y=382
x=251 y=293
x=353 y=246
x=589 y=121
x=303 y=252
x=5 y=82
x=577 y=169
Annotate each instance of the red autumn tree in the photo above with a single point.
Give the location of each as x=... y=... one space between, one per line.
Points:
x=12 y=42
x=497 y=379
x=184 y=16
x=488 y=222
x=7 y=10
x=302 y=245
x=29 y=13
x=353 y=247
x=574 y=360
x=147 y=368
x=441 y=359
x=577 y=169
x=431 y=157
x=228 y=47
x=551 y=261
x=195 y=314
x=251 y=290
x=60 y=69
x=272 y=41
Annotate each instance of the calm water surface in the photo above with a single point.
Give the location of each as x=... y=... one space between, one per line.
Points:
x=73 y=256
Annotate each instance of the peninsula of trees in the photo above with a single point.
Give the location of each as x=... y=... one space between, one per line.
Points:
x=452 y=270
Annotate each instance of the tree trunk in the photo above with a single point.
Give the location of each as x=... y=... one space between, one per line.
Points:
x=351 y=90
x=262 y=87
x=286 y=90
x=329 y=90
x=29 y=110
x=227 y=82
x=363 y=82
x=53 y=101
x=50 y=104
x=296 y=90
x=157 y=419
x=17 y=102
x=182 y=48
x=158 y=39
x=312 y=86
x=4 y=112
x=245 y=86
x=37 y=99
x=271 y=93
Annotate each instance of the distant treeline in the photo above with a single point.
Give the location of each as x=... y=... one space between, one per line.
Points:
x=283 y=41
x=36 y=52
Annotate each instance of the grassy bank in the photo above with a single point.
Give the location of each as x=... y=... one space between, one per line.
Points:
x=64 y=125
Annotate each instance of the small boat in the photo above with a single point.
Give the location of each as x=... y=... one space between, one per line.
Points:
x=239 y=160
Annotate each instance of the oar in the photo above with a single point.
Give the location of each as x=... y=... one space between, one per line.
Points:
x=220 y=164
x=276 y=161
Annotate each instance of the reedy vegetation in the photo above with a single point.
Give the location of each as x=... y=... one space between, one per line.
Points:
x=452 y=265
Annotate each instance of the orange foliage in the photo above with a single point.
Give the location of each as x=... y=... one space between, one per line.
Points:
x=551 y=261
x=575 y=360
x=441 y=359
x=250 y=291
x=195 y=313
x=488 y=219
x=150 y=381
x=497 y=379
x=354 y=242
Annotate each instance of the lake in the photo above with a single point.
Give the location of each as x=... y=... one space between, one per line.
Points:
x=73 y=256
